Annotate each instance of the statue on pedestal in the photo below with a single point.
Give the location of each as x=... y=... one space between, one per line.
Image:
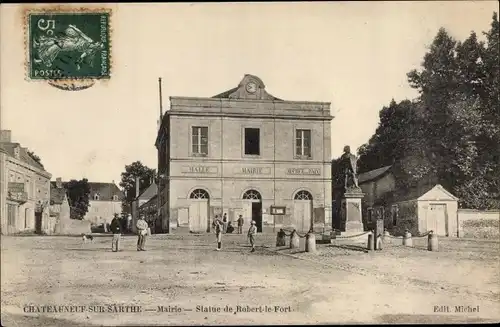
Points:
x=348 y=162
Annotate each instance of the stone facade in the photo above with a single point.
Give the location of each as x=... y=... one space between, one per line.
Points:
x=24 y=190
x=279 y=174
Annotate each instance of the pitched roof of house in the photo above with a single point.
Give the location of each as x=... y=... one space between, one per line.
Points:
x=56 y=194
x=150 y=201
x=372 y=174
x=106 y=191
x=23 y=154
x=148 y=193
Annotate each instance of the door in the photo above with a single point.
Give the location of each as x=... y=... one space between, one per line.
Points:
x=198 y=216
x=183 y=217
x=302 y=215
x=257 y=215
x=38 y=222
x=302 y=211
x=11 y=218
x=437 y=219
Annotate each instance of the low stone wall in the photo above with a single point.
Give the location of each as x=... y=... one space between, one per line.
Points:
x=479 y=224
x=73 y=227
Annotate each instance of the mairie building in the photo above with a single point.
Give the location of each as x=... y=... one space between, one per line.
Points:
x=244 y=152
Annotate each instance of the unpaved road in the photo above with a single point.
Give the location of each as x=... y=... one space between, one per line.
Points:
x=335 y=286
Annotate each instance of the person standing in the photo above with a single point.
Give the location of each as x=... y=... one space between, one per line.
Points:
x=142 y=230
x=251 y=235
x=240 y=225
x=116 y=229
x=224 y=223
x=218 y=232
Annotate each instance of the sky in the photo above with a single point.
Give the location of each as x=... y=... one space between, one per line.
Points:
x=352 y=54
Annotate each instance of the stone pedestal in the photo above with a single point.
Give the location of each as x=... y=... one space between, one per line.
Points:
x=351 y=205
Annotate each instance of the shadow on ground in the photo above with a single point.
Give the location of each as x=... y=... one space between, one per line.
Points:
x=358 y=248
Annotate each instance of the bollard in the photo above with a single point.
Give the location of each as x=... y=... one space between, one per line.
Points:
x=310 y=242
x=280 y=238
x=294 y=240
x=378 y=244
x=432 y=242
x=371 y=243
x=407 y=239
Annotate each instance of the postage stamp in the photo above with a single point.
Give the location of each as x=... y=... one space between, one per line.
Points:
x=68 y=44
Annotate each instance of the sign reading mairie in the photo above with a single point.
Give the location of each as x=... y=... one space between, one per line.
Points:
x=199 y=169
x=303 y=171
x=253 y=170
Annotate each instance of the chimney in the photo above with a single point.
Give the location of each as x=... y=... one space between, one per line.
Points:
x=5 y=136
x=136 y=187
x=58 y=182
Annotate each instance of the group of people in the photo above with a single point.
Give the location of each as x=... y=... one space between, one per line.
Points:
x=222 y=226
x=227 y=227
x=142 y=232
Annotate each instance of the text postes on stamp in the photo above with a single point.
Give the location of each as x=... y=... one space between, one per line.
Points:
x=68 y=46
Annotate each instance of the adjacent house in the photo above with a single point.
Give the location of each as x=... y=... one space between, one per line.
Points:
x=24 y=190
x=422 y=208
x=105 y=200
x=143 y=203
x=59 y=206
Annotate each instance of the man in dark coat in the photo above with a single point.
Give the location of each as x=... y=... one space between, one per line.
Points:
x=116 y=229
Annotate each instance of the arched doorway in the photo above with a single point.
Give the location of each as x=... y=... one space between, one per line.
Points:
x=198 y=211
x=253 y=208
x=302 y=210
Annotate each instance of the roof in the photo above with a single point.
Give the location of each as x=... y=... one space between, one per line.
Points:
x=23 y=154
x=150 y=202
x=438 y=193
x=372 y=174
x=106 y=191
x=56 y=194
x=233 y=93
x=149 y=193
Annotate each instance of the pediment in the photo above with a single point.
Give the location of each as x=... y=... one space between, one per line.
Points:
x=250 y=87
x=437 y=193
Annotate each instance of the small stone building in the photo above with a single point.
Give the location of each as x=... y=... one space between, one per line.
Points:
x=421 y=209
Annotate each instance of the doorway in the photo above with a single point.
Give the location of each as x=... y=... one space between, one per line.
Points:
x=38 y=222
x=198 y=218
x=254 y=205
x=257 y=215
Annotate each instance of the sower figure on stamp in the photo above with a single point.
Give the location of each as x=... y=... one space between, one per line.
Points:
x=240 y=225
x=251 y=235
x=142 y=230
x=116 y=228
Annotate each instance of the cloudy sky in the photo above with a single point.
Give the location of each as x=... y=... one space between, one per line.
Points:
x=354 y=55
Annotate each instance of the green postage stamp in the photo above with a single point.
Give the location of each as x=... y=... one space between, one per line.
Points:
x=68 y=44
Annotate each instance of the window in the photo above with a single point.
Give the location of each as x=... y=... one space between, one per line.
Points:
x=394 y=215
x=96 y=197
x=199 y=194
x=303 y=195
x=369 y=214
x=251 y=195
x=199 y=140
x=252 y=141
x=303 y=143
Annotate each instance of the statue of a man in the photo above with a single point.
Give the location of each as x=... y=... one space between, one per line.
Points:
x=349 y=161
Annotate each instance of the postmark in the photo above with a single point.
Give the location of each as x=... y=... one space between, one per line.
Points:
x=70 y=48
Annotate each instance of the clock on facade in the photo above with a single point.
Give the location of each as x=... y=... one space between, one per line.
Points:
x=251 y=87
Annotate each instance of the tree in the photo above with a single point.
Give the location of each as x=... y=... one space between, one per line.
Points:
x=135 y=170
x=78 y=196
x=35 y=157
x=451 y=133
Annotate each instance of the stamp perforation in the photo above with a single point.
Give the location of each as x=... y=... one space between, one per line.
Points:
x=68 y=82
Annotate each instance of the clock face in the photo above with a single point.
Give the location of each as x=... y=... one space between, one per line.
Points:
x=251 y=87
